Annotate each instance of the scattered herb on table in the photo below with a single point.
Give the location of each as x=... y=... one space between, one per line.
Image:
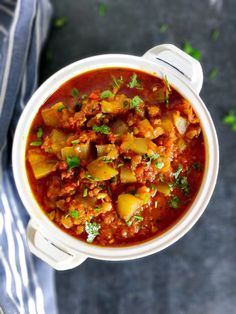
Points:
x=230 y=119
x=215 y=35
x=106 y=94
x=72 y=162
x=102 y=9
x=60 y=22
x=195 y=53
x=92 y=229
x=104 y=129
x=213 y=73
x=163 y=28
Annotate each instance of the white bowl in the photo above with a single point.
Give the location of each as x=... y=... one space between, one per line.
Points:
x=58 y=248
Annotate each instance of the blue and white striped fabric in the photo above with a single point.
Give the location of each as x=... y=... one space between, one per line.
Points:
x=26 y=283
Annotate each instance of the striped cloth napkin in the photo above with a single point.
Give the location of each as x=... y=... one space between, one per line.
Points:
x=26 y=283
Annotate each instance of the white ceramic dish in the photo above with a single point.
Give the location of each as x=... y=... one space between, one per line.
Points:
x=61 y=250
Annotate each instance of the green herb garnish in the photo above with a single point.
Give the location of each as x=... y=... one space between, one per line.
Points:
x=139 y=218
x=230 y=119
x=174 y=202
x=106 y=94
x=146 y=198
x=167 y=90
x=135 y=102
x=188 y=48
x=104 y=129
x=183 y=184
x=84 y=96
x=213 y=73
x=61 y=107
x=196 y=166
x=75 y=142
x=89 y=177
x=215 y=35
x=60 y=22
x=159 y=164
x=74 y=92
x=39 y=132
x=178 y=171
x=117 y=82
x=72 y=162
x=128 y=222
x=106 y=160
x=151 y=158
x=36 y=143
x=102 y=9
x=163 y=28
x=134 y=83
x=85 y=192
x=92 y=229
x=74 y=214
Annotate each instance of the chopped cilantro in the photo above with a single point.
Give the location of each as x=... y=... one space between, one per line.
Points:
x=174 y=202
x=146 y=198
x=159 y=164
x=215 y=35
x=60 y=22
x=163 y=28
x=134 y=83
x=188 y=48
x=104 y=129
x=75 y=142
x=117 y=82
x=167 y=90
x=89 y=177
x=183 y=184
x=85 y=192
x=39 y=132
x=230 y=119
x=135 y=102
x=151 y=158
x=36 y=143
x=106 y=160
x=74 y=214
x=61 y=107
x=84 y=96
x=128 y=222
x=72 y=162
x=196 y=166
x=102 y=9
x=74 y=92
x=213 y=73
x=97 y=209
x=177 y=172
x=92 y=229
x=106 y=94
x=139 y=218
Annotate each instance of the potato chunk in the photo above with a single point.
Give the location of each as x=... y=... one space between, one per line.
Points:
x=138 y=145
x=40 y=164
x=120 y=127
x=126 y=175
x=101 y=170
x=114 y=106
x=55 y=141
x=164 y=188
x=127 y=205
x=108 y=150
x=81 y=151
x=51 y=116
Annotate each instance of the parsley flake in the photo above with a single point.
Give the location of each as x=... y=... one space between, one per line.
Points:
x=215 y=35
x=188 y=48
x=163 y=28
x=74 y=213
x=134 y=83
x=213 y=73
x=75 y=142
x=135 y=102
x=36 y=143
x=92 y=229
x=174 y=202
x=102 y=9
x=72 y=162
x=230 y=119
x=39 y=132
x=178 y=171
x=139 y=218
x=104 y=129
x=128 y=222
x=74 y=92
x=61 y=107
x=60 y=22
x=117 y=82
x=106 y=94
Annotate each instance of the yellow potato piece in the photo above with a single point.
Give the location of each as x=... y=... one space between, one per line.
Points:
x=51 y=115
x=108 y=150
x=120 y=127
x=56 y=141
x=126 y=175
x=101 y=170
x=82 y=151
x=138 y=145
x=40 y=164
x=164 y=188
x=114 y=106
x=127 y=205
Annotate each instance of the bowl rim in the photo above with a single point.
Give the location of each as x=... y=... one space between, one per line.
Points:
x=54 y=233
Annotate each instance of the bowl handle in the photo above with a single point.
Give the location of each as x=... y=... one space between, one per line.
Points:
x=56 y=255
x=186 y=67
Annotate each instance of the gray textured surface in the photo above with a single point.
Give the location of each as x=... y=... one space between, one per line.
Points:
x=196 y=275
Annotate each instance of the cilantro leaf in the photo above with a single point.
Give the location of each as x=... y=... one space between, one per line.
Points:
x=215 y=35
x=61 y=107
x=74 y=92
x=39 y=132
x=106 y=94
x=74 y=214
x=135 y=102
x=104 y=129
x=159 y=164
x=183 y=184
x=72 y=162
x=128 y=222
x=213 y=73
x=134 y=83
x=36 y=143
x=92 y=229
x=151 y=158
x=163 y=28
x=139 y=218
x=60 y=22
x=174 y=202
x=75 y=142
x=188 y=48
x=117 y=82
x=230 y=119
x=102 y=9
x=178 y=171
x=167 y=90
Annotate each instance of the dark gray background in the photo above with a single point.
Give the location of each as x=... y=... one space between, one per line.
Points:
x=197 y=274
